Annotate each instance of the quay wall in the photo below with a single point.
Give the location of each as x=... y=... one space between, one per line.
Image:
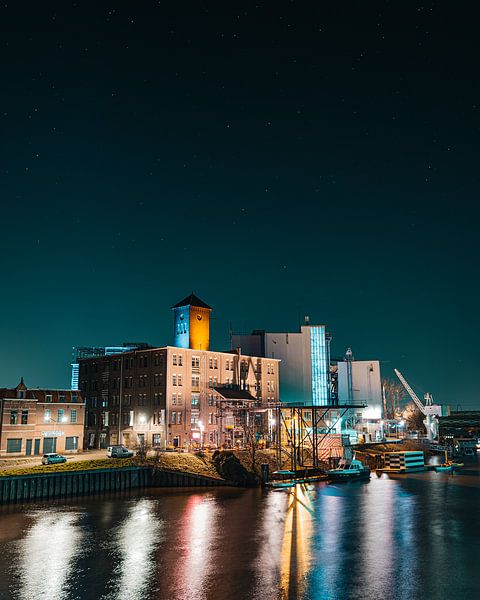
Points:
x=68 y=484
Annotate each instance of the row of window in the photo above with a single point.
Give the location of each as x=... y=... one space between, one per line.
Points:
x=49 y=444
x=111 y=418
x=143 y=400
x=62 y=398
x=128 y=363
x=177 y=416
x=127 y=400
x=20 y=417
x=177 y=360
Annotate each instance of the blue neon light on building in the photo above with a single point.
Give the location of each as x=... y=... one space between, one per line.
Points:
x=320 y=366
x=182 y=327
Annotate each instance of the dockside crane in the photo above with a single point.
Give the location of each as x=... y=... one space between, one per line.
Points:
x=430 y=411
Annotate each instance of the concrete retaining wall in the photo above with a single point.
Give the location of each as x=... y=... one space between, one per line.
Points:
x=23 y=488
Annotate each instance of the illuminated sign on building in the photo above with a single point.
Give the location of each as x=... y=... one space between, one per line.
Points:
x=53 y=433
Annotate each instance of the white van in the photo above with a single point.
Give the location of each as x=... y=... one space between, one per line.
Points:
x=119 y=452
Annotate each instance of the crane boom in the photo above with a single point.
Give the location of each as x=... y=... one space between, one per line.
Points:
x=412 y=394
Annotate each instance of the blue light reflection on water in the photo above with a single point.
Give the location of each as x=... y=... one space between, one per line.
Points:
x=388 y=538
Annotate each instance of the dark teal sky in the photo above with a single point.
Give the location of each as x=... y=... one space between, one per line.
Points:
x=279 y=159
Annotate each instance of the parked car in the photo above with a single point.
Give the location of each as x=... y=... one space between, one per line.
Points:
x=119 y=452
x=52 y=458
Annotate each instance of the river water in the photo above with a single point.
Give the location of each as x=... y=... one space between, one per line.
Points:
x=408 y=537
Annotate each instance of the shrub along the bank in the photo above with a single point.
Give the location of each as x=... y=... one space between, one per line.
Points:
x=230 y=468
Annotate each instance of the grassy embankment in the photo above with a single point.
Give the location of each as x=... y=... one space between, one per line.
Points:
x=185 y=463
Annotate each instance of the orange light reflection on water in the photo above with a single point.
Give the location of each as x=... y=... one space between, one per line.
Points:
x=295 y=554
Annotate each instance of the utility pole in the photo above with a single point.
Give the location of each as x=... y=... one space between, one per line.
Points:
x=120 y=401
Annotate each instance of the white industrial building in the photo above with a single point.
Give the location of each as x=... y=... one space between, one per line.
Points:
x=305 y=361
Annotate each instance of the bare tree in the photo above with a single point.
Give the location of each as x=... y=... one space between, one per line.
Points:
x=250 y=433
x=413 y=417
x=394 y=394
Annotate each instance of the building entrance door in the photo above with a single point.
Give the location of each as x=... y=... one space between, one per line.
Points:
x=36 y=448
x=49 y=445
x=28 y=448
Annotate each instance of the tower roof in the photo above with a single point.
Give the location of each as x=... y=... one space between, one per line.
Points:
x=192 y=300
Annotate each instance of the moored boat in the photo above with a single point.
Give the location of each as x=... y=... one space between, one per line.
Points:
x=353 y=471
x=448 y=467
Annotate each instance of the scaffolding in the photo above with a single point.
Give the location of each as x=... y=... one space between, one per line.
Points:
x=302 y=433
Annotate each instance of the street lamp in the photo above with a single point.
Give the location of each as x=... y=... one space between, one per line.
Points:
x=202 y=428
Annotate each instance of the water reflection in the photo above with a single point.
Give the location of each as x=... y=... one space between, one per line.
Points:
x=409 y=537
x=47 y=555
x=284 y=554
x=134 y=543
x=195 y=547
x=377 y=561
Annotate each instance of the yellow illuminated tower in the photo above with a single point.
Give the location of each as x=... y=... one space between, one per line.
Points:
x=192 y=323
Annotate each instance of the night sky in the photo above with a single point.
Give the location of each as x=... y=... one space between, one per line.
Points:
x=278 y=159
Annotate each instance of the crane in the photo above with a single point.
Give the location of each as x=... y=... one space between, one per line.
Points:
x=429 y=410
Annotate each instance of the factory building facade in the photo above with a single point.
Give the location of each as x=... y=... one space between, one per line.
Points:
x=96 y=351
x=177 y=396
x=360 y=381
x=304 y=361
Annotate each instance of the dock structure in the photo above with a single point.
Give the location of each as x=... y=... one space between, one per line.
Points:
x=306 y=434
x=404 y=461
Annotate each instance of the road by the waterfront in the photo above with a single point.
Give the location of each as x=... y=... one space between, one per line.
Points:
x=7 y=464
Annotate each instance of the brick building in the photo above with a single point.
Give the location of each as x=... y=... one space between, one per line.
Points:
x=36 y=421
x=176 y=395
x=173 y=396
